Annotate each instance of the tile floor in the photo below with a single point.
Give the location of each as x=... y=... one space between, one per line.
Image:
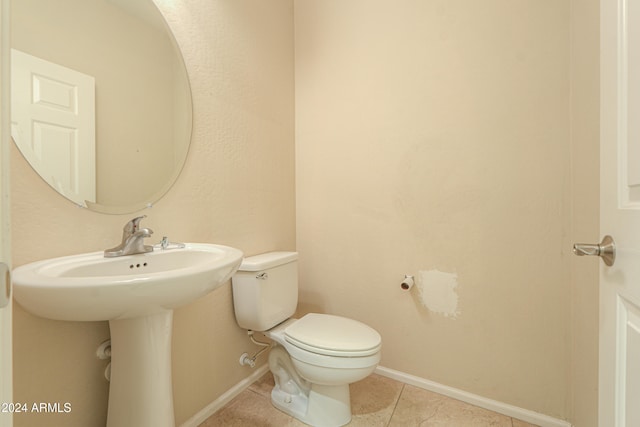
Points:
x=375 y=401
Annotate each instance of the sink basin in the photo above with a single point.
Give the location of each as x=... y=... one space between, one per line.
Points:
x=91 y=287
x=137 y=295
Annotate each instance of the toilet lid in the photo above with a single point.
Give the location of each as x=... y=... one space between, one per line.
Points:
x=333 y=335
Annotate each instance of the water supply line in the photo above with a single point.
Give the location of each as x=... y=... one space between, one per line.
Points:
x=251 y=361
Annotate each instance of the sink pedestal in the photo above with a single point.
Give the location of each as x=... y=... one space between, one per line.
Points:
x=140 y=393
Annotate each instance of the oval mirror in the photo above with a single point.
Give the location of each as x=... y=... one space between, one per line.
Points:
x=101 y=104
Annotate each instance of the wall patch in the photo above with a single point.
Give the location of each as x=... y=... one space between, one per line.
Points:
x=437 y=292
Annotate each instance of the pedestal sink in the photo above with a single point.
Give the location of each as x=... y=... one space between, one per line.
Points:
x=137 y=295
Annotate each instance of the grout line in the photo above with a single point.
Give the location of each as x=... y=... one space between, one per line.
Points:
x=396 y=405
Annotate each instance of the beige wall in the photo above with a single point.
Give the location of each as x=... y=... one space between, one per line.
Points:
x=435 y=136
x=585 y=184
x=237 y=188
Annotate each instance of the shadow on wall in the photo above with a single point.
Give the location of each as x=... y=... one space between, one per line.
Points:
x=317 y=306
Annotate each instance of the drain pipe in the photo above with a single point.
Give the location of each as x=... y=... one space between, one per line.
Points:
x=245 y=360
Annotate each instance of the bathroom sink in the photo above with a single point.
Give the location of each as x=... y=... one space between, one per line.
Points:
x=90 y=287
x=137 y=295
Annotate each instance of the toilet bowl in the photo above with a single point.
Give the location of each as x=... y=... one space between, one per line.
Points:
x=314 y=358
x=314 y=361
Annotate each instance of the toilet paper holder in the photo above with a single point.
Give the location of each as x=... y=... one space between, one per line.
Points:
x=407 y=283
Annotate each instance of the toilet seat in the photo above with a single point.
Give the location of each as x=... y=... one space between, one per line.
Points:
x=328 y=335
x=344 y=359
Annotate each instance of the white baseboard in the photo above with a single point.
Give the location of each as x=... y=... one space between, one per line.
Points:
x=217 y=404
x=473 y=399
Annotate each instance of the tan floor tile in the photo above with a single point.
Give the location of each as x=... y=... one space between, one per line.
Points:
x=373 y=400
x=418 y=407
x=264 y=385
x=250 y=409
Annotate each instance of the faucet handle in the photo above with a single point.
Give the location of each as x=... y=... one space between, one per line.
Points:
x=133 y=225
x=132 y=239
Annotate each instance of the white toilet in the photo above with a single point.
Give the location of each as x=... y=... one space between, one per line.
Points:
x=315 y=358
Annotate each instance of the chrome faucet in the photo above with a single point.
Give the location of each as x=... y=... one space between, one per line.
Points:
x=132 y=240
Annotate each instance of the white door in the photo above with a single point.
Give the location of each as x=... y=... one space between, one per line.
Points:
x=6 y=378
x=53 y=124
x=619 y=376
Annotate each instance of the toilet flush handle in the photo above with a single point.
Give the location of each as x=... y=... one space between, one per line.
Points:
x=262 y=276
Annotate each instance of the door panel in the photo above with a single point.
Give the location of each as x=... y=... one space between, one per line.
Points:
x=619 y=376
x=628 y=338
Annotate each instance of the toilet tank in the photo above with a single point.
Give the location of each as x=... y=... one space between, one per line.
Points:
x=265 y=290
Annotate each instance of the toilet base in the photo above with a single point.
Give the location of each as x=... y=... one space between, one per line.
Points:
x=313 y=404
x=324 y=406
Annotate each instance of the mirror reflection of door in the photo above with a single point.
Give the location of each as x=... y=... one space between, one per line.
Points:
x=53 y=124
x=143 y=111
